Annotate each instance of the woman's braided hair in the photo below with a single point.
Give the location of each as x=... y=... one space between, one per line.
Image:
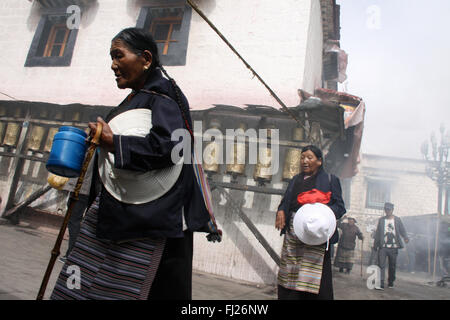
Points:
x=179 y=100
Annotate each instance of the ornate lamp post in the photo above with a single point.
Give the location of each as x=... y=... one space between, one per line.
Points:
x=438 y=170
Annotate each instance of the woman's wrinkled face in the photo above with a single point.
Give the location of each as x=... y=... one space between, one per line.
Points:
x=309 y=163
x=128 y=67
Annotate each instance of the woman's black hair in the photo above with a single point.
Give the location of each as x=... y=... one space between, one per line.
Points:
x=317 y=152
x=138 y=40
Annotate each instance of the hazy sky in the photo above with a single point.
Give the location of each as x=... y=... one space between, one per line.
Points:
x=399 y=63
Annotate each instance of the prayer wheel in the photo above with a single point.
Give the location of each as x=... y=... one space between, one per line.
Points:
x=212 y=152
x=263 y=168
x=49 y=141
x=35 y=140
x=2 y=111
x=76 y=116
x=236 y=166
x=59 y=115
x=12 y=134
x=292 y=159
x=18 y=113
x=298 y=135
x=44 y=113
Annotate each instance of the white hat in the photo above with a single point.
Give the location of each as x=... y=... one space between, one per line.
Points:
x=133 y=186
x=314 y=224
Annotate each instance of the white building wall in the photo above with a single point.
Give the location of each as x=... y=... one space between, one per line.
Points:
x=278 y=39
x=312 y=77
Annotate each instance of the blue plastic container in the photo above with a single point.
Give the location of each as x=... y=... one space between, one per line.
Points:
x=68 y=151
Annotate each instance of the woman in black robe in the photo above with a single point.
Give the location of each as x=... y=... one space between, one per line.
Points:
x=143 y=249
x=305 y=271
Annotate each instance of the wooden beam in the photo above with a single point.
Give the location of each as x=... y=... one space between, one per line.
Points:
x=251 y=226
x=34 y=196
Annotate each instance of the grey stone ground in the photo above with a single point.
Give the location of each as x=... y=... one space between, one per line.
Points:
x=25 y=253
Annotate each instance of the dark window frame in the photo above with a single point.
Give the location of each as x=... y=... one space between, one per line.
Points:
x=35 y=57
x=178 y=52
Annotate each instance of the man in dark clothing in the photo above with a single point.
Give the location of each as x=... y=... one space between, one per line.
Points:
x=388 y=235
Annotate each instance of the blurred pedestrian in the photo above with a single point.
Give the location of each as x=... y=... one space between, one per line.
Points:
x=346 y=247
x=388 y=235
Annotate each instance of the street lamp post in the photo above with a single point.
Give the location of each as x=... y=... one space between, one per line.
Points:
x=438 y=169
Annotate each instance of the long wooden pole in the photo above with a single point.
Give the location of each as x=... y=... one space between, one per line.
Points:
x=37 y=194
x=55 y=252
x=266 y=245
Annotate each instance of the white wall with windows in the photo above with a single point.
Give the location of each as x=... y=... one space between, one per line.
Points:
x=281 y=40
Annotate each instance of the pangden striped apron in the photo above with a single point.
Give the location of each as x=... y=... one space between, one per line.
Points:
x=301 y=264
x=105 y=270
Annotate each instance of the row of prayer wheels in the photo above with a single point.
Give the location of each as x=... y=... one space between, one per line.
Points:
x=43 y=114
x=37 y=133
x=263 y=169
x=35 y=136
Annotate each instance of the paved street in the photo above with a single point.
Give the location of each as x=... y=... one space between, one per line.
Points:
x=25 y=253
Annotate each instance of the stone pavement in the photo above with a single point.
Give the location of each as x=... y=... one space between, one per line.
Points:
x=25 y=252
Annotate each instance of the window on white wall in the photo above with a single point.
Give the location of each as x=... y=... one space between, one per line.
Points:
x=53 y=43
x=378 y=192
x=169 y=23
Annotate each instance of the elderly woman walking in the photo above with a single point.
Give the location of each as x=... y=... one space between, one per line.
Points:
x=305 y=270
x=136 y=240
x=346 y=248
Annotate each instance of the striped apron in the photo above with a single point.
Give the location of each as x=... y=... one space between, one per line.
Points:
x=105 y=270
x=301 y=264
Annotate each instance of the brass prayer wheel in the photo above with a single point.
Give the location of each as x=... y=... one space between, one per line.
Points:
x=44 y=113
x=263 y=168
x=49 y=141
x=291 y=163
x=298 y=134
x=211 y=152
x=210 y=157
x=35 y=140
x=59 y=115
x=292 y=159
x=18 y=113
x=76 y=116
x=237 y=165
x=12 y=134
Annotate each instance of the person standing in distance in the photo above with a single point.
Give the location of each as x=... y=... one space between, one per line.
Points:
x=388 y=235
